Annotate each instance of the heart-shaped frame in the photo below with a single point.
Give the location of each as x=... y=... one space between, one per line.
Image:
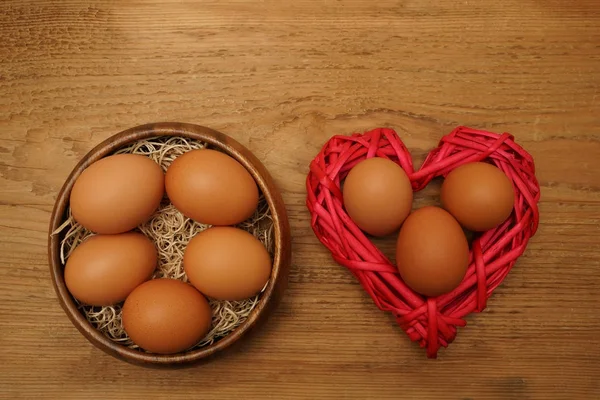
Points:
x=432 y=322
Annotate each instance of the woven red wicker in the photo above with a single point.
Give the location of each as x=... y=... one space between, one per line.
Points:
x=432 y=322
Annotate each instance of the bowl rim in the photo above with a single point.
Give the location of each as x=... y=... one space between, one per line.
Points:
x=281 y=250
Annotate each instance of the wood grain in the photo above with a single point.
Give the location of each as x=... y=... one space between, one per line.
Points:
x=281 y=78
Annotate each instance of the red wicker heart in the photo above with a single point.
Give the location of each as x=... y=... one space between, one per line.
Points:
x=432 y=322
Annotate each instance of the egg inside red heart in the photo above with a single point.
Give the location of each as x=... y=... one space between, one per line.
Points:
x=479 y=195
x=377 y=196
x=432 y=253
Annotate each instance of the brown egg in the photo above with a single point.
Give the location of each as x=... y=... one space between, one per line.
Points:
x=166 y=316
x=104 y=269
x=211 y=187
x=227 y=263
x=479 y=195
x=117 y=193
x=377 y=196
x=432 y=253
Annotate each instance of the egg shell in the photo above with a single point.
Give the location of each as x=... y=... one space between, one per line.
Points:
x=377 y=196
x=432 y=253
x=211 y=187
x=227 y=263
x=117 y=193
x=104 y=269
x=479 y=195
x=166 y=316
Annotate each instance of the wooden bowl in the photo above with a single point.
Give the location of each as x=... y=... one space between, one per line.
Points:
x=281 y=257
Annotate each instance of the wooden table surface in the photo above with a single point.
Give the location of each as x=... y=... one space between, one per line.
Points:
x=282 y=77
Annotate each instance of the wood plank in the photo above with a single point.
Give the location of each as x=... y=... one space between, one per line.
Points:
x=281 y=78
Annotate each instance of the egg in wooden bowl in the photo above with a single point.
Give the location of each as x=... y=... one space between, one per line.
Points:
x=169 y=243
